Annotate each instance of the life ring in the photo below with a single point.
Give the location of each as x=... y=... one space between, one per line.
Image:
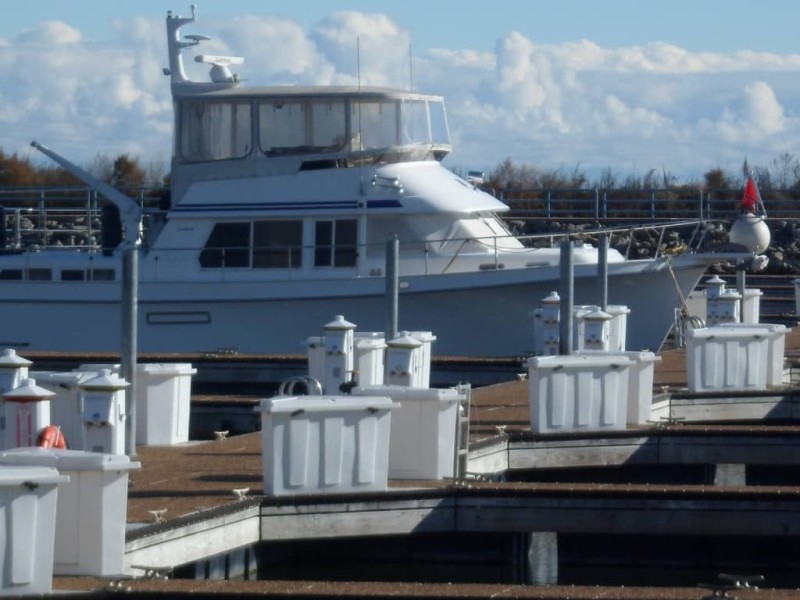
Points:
x=51 y=437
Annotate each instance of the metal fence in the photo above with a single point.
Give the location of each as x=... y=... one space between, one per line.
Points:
x=619 y=205
x=642 y=205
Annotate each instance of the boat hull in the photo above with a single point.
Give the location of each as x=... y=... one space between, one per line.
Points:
x=475 y=314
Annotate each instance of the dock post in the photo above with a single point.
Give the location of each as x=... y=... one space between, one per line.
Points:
x=392 y=286
x=730 y=474
x=602 y=270
x=740 y=287
x=567 y=277
x=129 y=305
x=537 y=558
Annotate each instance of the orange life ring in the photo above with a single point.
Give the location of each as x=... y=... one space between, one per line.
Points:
x=51 y=437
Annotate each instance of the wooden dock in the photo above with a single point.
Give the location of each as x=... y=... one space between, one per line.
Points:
x=209 y=502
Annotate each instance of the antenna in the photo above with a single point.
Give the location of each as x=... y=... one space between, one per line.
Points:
x=358 y=71
x=410 y=70
x=358 y=62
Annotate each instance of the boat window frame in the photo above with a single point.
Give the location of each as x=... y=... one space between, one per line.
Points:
x=336 y=252
x=307 y=143
x=230 y=246
x=238 y=148
x=268 y=256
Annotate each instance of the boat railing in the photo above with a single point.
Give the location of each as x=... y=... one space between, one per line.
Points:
x=71 y=218
x=640 y=205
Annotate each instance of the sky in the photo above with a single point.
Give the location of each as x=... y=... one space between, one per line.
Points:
x=677 y=86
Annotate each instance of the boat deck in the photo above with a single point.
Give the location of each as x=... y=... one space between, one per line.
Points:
x=208 y=495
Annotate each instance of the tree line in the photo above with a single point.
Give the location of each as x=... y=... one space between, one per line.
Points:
x=126 y=173
x=129 y=175
x=781 y=174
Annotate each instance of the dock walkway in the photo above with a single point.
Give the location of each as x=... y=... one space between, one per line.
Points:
x=207 y=496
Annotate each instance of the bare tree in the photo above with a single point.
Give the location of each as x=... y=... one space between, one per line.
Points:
x=785 y=170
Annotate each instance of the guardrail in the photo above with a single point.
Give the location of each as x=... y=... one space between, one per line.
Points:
x=619 y=205
x=642 y=205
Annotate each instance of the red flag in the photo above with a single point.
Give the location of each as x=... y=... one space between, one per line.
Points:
x=750 y=198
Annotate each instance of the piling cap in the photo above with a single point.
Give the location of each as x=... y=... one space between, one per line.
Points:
x=28 y=391
x=106 y=381
x=339 y=322
x=597 y=315
x=10 y=360
x=404 y=340
x=715 y=286
x=552 y=298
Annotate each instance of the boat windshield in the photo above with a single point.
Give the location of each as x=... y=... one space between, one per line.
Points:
x=350 y=125
x=222 y=129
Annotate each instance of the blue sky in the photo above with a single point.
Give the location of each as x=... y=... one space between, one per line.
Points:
x=713 y=25
x=629 y=85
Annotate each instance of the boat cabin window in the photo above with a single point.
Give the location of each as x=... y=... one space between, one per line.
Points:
x=227 y=246
x=102 y=274
x=277 y=244
x=9 y=274
x=73 y=275
x=440 y=134
x=301 y=126
x=40 y=274
x=335 y=243
x=376 y=124
x=214 y=130
x=260 y=245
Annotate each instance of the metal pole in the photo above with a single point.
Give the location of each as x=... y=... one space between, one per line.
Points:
x=392 y=285
x=740 y=287
x=602 y=270
x=567 y=298
x=128 y=350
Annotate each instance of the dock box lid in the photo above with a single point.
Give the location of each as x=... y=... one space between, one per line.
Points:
x=29 y=475
x=587 y=360
x=776 y=328
x=723 y=332
x=402 y=393
x=67 y=460
x=67 y=378
x=166 y=368
x=332 y=404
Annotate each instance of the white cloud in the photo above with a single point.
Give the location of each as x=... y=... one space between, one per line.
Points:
x=548 y=105
x=50 y=33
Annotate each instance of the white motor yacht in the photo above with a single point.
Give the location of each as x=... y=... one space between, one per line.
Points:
x=281 y=205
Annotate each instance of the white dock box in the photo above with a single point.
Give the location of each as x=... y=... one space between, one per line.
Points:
x=163 y=396
x=727 y=358
x=640 y=386
x=92 y=507
x=583 y=392
x=423 y=432
x=27 y=529
x=325 y=444
x=775 y=348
